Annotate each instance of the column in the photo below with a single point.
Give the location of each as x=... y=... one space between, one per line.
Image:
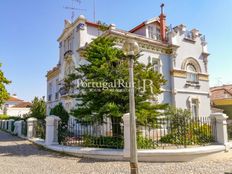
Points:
x=52 y=129
x=31 y=124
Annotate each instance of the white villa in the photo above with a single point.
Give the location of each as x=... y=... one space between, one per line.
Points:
x=15 y=107
x=179 y=54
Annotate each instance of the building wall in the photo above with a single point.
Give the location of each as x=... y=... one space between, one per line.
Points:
x=53 y=95
x=175 y=91
x=182 y=92
x=16 y=112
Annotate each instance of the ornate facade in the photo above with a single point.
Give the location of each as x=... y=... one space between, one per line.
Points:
x=180 y=55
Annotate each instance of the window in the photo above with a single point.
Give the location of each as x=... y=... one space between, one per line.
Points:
x=155 y=62
x=68 y=44
x=69 y=67
x=191 y=73
x=50 y=97
x=154 y=33
x=194 y=108
x=158 y=34
x=50 y=88
x=151 y=32
x=57 y=96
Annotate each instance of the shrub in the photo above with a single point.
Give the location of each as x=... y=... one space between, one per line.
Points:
x=41 y=129
x=38 y=108
x=59 y=111
x=229 y=128
x=145 y=143
x=4 y=117
x=194 y=134
x=103 y=141
x=185 y=131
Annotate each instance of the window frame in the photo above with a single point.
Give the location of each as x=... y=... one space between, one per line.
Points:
x=192 y=75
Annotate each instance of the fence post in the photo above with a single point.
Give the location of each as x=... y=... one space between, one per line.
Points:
x=51 y=130
x=126 y=123
x=10 y=125
x=221 y=133
x=2 y=124
x=31 y=123
x=5 y=124
x=18 y=128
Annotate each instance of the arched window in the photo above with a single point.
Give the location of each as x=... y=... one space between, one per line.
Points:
x=191 y=73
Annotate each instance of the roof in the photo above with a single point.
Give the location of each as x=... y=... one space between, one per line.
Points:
x=68 y=28
x=156 y=19
x=221 y=92
x=23 y=105
x=14 y=99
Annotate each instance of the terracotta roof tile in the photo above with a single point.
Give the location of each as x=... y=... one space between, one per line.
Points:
x=23 y=105
x=14 y=99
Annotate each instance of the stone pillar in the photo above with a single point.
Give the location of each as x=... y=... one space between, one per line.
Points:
x=126 y=123
x=18 y=128
x=10 y=122
x=0 y=124
x=220 y=131
x=51 y=130
x=31 y=123
x=4 y=124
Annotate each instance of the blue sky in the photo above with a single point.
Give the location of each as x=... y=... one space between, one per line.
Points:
x=29 y=30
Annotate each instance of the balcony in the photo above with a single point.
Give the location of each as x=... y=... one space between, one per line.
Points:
x=50 y=97
x=57 y=95
x=66 y=92
x=68 y=53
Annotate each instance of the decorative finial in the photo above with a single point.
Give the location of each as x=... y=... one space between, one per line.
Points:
x=162 y=8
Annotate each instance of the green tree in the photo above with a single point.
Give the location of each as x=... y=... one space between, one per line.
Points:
x=38 y=108
x=107 y=64
x=59 y=111
x=4 y=95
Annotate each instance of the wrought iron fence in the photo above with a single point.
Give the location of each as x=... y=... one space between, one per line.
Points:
x=105 y=134
x=12 y=126
x=40 y=129
x=175 y=133
x=24 y=128
x=229 y=129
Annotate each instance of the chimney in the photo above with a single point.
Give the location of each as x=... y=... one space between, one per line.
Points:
x=162 y=24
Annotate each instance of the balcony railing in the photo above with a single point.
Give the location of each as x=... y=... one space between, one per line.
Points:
x=50 y=97
x=68 y=53
x=189 y=35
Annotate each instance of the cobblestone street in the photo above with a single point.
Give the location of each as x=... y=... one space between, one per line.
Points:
x=19 y=156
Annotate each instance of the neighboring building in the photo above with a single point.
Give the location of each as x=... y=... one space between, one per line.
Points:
x=180 y=55
x=221 y=99
x=15 y=107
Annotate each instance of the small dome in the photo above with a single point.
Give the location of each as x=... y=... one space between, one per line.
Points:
x=82 y=17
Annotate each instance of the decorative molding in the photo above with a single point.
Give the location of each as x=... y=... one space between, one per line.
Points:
x=145 y=44
x=203 y=77
x=192 y=92
x=53 y=73
x=193 y=61
x=178 y=73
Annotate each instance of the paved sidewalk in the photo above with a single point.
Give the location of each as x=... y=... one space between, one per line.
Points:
x=19 y=156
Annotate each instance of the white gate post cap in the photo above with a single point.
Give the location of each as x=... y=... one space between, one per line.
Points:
x=52 y=118
x=219 y=116
x=31 y=119
x=126 y=117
